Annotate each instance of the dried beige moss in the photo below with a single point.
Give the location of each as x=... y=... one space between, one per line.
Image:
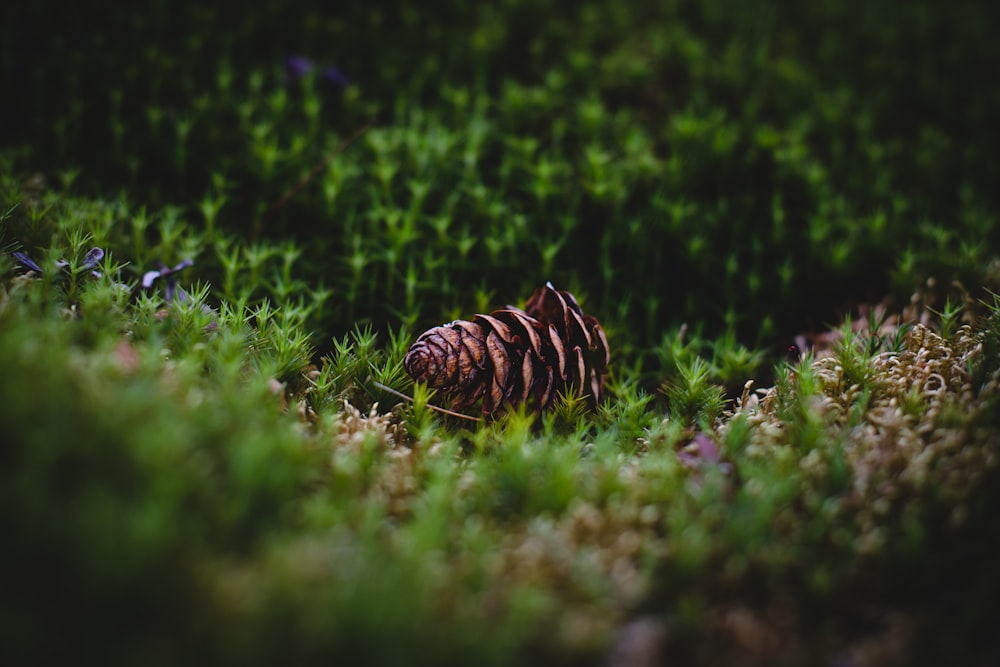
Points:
x=910 y=430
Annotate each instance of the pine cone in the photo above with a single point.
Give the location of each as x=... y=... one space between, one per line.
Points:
x=514 y=356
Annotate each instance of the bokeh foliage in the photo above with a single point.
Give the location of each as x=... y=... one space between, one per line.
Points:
x=747 y=167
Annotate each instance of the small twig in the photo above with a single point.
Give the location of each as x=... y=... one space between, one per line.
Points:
x=292 y=191
x=403 y=396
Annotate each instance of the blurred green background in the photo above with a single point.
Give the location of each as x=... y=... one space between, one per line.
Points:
x=752 y=168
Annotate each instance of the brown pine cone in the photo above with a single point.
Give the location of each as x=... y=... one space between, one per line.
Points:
x=514 y=356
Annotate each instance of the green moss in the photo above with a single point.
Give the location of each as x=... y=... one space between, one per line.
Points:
x=223 y=477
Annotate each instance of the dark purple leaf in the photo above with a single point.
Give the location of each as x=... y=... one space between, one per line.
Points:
x=25 y=261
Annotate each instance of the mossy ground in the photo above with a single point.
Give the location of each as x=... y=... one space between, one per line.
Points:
x=220 y=478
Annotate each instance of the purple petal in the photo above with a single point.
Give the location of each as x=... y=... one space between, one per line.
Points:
x=175 y=292
x=183 y=265
x=149 y=277
x=335 y=76
x=707 y=449
x=702 y=453
x=687 y=458
x=171 y=291
x=27 y=262
x=297 y=66
x=93 y=258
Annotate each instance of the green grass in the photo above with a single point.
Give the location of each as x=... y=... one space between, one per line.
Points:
x=221 y=478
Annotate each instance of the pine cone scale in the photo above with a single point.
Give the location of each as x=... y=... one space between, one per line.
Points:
x=580 y=370
x=548 y=388
x=527 y=376
x=448 y=371
x=501 y=328
x=545 y=305
x=424 y=362
x=500 y=359
x=557 y=345
x=474 y=343
x=579 y=330
x=437 y=358
x=520 y=322
x=600 y=341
